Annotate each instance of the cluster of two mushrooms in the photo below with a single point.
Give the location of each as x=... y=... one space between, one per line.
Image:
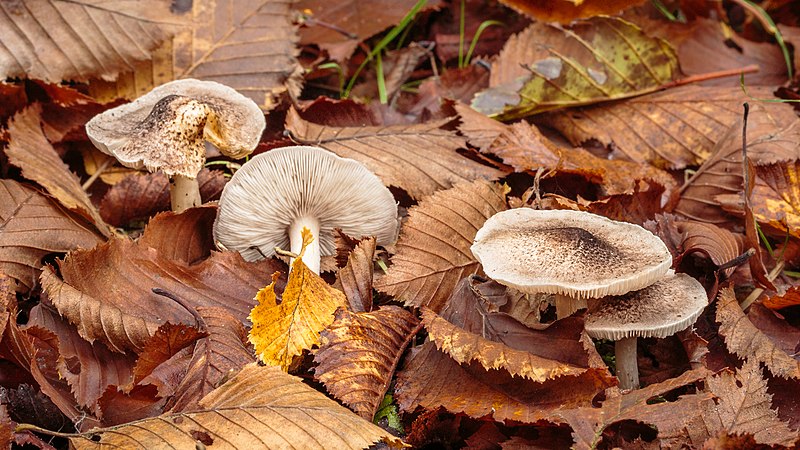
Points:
x=621 y=270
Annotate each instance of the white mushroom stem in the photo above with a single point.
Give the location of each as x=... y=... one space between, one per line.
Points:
x=627 y=365
x=184 y=193
x=311 y=257
x=566 y=305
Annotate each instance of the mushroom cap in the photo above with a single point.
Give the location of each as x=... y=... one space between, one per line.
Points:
x=572 y=253
x=659 y=310
x=275 y=188
x=166 y=128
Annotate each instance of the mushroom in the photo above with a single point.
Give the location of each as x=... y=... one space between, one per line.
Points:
x=269 y=201
x=574 y=254
x=659 y=310
x=165 y=130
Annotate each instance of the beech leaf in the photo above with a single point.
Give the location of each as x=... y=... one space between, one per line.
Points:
x=566 y=11
x=355 y=278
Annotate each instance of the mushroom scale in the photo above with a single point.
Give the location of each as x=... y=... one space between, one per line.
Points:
x=280 y=191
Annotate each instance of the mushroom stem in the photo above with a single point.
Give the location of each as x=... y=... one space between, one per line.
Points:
x=566 y=305
x=627 y=366
x=184 y=193
x=311 y=257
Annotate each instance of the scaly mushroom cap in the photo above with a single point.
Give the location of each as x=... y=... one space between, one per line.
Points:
x=572 y=253
x=659 y=310
x=276 y=188
x=166 y=128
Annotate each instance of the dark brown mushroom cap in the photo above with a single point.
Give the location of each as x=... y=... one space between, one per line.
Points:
x=573 y=253
x=275 y=188
x=659 y=310
x=166 y=128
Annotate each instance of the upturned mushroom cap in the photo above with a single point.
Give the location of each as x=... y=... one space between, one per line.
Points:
x=277 y=188
x=659 y=310
x=166 y=128
x=572 y=253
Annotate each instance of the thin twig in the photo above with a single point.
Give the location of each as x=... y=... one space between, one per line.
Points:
x=97 y=173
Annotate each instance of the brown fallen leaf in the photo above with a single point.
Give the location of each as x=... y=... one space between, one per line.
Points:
x=29 y=150
x=119 y=407
x=223 y=351
x=359 y=352
x=355 y=278
x=638 y=206
x=789 y=298
x=565 y=11
x=185 y=236
x=33 y=227
x=746 y=341
x=776 y=203
x=454 y=84
x=223 y=42
x=259 y=406
x=421 y=159
x=281 y=331
x=165 y=343
x=717 y=244
x=139 y=196
x=433 y=252
x=40 y=39
x=169 y=374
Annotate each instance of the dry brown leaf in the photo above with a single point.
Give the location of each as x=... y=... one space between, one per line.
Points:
x=565 y=11
x=717 y=244
x=671 y=129
x=746 y=341
x=636 y=207
x=479 y=129
x=259 y=407
x=355 y=278
x=282 y=331
x=40 y=39
x=223 y=351
x=29 y=150
x=432 y=379
x=421 y=159
x=107 y=291
x=359 y=352
x=454 y=84
x=249 y=46
x=165 y=343
x=789 y=298
x=118 y=407
x=184 y=236
x=433 y=252
x=777 y=202
x=139 y=196
x=33 y=227
x=168 y=375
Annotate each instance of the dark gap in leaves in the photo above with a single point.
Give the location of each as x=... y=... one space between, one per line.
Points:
x=625 y=433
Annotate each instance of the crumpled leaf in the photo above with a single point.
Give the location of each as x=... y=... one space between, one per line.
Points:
x=421 y=159
x=746 y=341
x=355 y=278
x=565 y=11
x=717 y=244
x=359 y=352
x=29 y=150
x=259 y=406
x=548 y=67
x=224 y=42
x=282 y=331
x=118 y=407
x=777 y=203
x=433 y=252
x=672 y=129
x=39 y=38
x=165 y=343
x=224 y=350
x=35 y=226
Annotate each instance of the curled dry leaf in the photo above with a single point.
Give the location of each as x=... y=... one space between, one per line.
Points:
x=118 y=407
x=223 y=351
x=547 y=67
x=165 y=343
x=139 y=196
x=223 y=42
x=635 y=207
x=746 y=341
x=282 y=331
x=33 y=227
x=433 y=252
x=421 y=158
x=777 y=203
x=789 y=298
x=432 y=379
x=184 y=236
x=717 y=244
x=565 y=11
x=260 y=406
x=355 y=278
x=29 y=150
x=359 y=352
x=40 y=40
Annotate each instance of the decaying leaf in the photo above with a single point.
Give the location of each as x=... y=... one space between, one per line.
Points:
x=421 y=159
x=282 y=331
x=777 y=202
x=359 y=352
x=39 y=38
x=259 y=406
x=746 y=341
x=225 y=41
x=165 y=343
x=433 y=252
x=355 y=278
x=789 y=298
x=547 y=67
x=717 y=244
x=184 y=236
x=565 y=11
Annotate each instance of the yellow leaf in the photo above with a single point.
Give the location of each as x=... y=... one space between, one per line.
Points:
x=282 y=331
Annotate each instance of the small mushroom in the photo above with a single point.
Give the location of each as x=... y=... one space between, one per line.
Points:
x=166 y=130
x=573 y=254
x=659 y=310
x=268 y=202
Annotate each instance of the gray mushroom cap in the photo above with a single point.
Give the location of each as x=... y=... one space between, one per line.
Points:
x=659 y=310
x=572 y=253
x=166 y=129
x=275 y=189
